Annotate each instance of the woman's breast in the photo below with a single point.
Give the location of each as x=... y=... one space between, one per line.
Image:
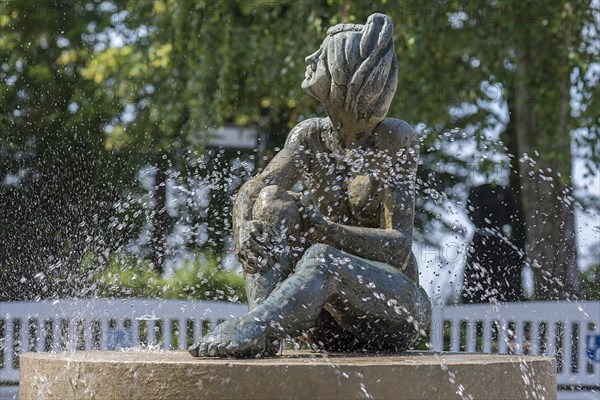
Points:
x=364 y=199
x=352 y=201
x=346 y=189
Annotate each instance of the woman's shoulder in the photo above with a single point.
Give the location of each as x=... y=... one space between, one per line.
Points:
x=396 y=133
x=309 y=128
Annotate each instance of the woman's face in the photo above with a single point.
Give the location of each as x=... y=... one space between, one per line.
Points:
x=317 y=80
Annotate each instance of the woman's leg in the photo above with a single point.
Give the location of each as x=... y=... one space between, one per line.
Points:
x=278 y=213
x=375 y=302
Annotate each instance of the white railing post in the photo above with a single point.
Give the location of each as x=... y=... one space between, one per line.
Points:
x=182 y=337
x=197 y=330
x=502 y=336
x=470 y=337
x=566 y=346
x=167 y=344
x=152 y=327
x=135 y=331
x=9 y=343
x=455 y=335
x=551 y=337
x=582 y=359
x=486 y=337
x=436 y=329
x=519 y=336
x=104 y=332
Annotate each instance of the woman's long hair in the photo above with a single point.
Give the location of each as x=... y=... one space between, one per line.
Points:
x=363 y=67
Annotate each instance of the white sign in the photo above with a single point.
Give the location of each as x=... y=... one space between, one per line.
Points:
x=234 y=137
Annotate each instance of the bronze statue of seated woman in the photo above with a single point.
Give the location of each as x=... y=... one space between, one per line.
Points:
x=324 y=233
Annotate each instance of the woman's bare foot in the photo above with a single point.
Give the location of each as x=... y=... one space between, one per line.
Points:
x=239 y=337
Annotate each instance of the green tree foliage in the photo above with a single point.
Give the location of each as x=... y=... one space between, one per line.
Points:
x=591 y=283
x=190 y=67
x=468 y=69
x=482 y=81
x=528 y=70
x=57 y=183
x=204 y=278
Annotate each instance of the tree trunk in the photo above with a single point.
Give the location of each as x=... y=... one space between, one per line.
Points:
x=159 y=218
x=542 y=128
x=518 y=224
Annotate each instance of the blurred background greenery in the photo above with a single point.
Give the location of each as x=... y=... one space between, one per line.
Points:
x=109 y=183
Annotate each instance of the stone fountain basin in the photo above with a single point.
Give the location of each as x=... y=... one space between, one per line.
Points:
x=149 y=375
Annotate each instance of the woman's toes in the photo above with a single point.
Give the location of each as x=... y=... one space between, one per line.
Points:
x=221 y=349
x=212 y=350
x=231 y=349
x=203 y=350
x=195 y=350
x=198 y=350
x=237 y=338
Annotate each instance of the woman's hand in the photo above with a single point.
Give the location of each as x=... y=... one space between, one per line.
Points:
x=315 y=224
x=253 y=246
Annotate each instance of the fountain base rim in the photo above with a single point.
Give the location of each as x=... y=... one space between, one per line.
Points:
x=295 y=374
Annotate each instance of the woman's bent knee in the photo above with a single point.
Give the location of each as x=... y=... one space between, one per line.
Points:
x=273 y=192
x=318 y=250
x=317 y=256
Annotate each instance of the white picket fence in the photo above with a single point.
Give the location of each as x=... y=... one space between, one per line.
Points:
x=103 y=325
x=568 y=331
x=565 y=330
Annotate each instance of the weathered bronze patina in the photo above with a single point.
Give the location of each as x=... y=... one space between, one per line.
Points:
x=324 y=233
